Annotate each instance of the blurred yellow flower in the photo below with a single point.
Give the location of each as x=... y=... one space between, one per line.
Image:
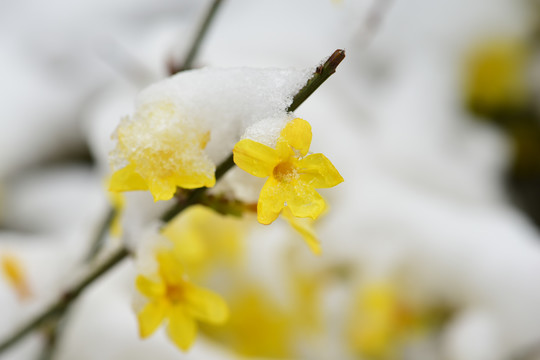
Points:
x=293 y=176
x=382 y=321
x=174 y=298
x=259 y=326
x=495 y=78
x=205 y=240
x=307 y=289
x=377 y=321
x=13 y=270
x=163 y=152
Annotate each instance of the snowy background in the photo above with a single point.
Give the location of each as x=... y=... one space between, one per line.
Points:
x=423 y=198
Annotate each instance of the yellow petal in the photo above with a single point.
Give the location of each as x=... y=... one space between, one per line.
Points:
x=182 y=329
x=149 y=288
x=165 y=188
x=13 y=269
x=206 y=305
x=304 y=201
x=379 y=310
x=305 y=229
x=297 y=133
x=151 y=316
x=271 y=200
x=127 y=179
x=195 y=180
x=190 y=243
x=318 y=171
x=162 y=189
x=193 y=249
x=255 y=158
x=170 y=269
x=284 y=150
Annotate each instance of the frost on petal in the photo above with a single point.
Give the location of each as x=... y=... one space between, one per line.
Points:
x=182 y=329
x=163 y=152
x=255 y=158
x=151 y=316
x=318 y=171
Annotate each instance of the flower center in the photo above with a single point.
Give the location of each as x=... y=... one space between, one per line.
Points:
x=175 y=293
x=285 y=171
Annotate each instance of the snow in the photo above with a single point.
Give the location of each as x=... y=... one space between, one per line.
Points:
x=221 y=102
x=422 y=195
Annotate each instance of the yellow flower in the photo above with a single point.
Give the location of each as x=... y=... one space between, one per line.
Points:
x=205 y=240
x=13 y=270
x=376 y=325
x=259 y=325
x=293 y=176
x=163 y=151
x=174 y=298
x=308 y=288
x=383 y=321
x=496 y=76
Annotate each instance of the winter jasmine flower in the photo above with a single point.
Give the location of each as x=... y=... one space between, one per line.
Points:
x=172 y=298
x=292 y=176
x=163 y=152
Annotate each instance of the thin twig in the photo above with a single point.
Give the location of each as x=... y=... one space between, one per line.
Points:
x=322 y=73
x=194 y=196
x=99 y=240
x=53 y=331
x=190 y=198
x=54 y=326
x=197 y=41
x=70 y=295
x=373 y=21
